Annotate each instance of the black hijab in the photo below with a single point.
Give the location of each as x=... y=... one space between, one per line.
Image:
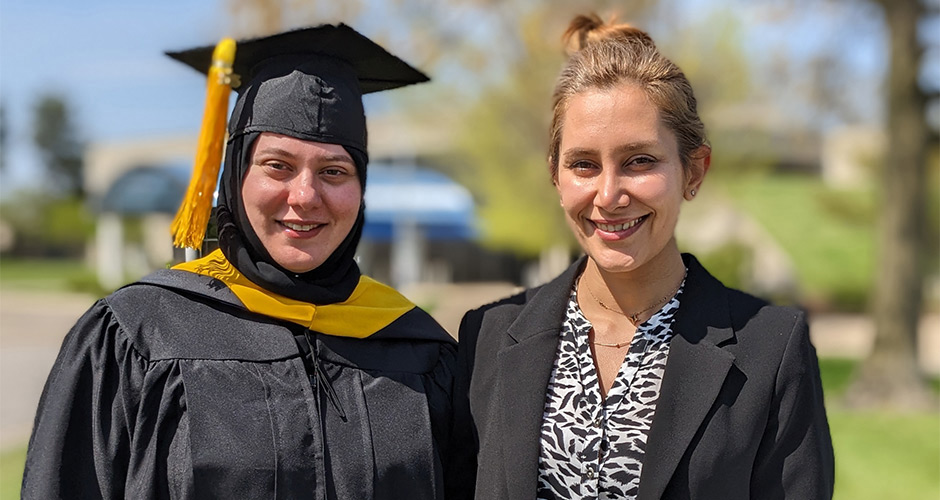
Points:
x=332 y=281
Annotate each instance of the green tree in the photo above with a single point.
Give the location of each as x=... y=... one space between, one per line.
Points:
x=47 y=224
x=890 y=375
x=56 y=137
x=502 y=141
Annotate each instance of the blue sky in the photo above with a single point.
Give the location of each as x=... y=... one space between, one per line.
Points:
x=106 y=57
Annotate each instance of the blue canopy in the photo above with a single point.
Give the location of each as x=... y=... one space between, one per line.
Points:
x=147 y=189
x=404 y=193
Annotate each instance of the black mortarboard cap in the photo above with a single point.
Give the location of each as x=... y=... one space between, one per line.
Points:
x=375 y=68
x=308 y=83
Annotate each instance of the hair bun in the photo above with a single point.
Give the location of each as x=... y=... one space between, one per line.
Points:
x=588 y=29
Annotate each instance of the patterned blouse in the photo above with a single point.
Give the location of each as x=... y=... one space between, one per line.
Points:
x=593 y=448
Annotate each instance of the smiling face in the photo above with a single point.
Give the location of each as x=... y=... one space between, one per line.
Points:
x=620 y=179
x=302 y=198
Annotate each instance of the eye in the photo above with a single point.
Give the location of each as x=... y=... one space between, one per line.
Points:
x=276 y=165
x=641 y=162
x=338 y=173
x=334 y=171
x=582 y=167
x=275 y=168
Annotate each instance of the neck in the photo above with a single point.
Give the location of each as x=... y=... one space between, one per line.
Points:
x=633 y=291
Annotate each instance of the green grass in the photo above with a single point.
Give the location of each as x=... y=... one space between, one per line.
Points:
x=830 y=235
x=47 y=275
x=11 y=473
x=836 y=375
x=886 y=456
x=880 y=455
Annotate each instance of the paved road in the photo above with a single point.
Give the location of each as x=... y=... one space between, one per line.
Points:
x=32 y=326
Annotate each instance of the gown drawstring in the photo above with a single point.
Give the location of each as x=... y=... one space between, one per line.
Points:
x=319 y=378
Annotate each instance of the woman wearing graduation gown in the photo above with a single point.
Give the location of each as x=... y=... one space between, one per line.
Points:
x=271 y=368
x=635 y=374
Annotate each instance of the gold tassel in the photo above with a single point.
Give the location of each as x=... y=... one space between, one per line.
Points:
x=189 y=225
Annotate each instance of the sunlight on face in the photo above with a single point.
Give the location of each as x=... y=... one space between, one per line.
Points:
x=302 y=198
x=620 y=178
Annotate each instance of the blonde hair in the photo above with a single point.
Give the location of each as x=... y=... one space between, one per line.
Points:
x=603 y=55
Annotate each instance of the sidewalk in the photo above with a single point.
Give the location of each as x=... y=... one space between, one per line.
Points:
x=32 y=325
x=852 y=336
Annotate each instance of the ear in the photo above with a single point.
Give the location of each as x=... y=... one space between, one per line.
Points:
x=701 y=162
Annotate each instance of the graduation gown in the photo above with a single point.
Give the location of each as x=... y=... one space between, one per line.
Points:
x=170 y=388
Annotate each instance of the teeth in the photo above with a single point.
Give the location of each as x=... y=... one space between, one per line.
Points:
x=617 y=227
x=299 y=227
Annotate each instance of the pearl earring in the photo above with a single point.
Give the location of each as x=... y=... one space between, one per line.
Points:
x=692 y=193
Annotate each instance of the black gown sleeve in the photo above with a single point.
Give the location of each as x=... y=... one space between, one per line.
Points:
x=461 y=467
x=80 y=445
x=795 y=458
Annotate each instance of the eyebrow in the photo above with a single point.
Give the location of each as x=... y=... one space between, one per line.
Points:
x=338 y=159
x=623 y=148
x=276 y=151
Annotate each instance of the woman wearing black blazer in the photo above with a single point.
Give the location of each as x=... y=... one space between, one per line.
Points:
x=635 y=374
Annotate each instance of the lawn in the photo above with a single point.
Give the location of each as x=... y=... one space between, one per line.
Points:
x=830 y=235
x=11 y=473
x=879 y=455
x=47 y=275
x=886 y=456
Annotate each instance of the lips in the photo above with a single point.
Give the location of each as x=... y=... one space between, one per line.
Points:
x=614 y=228
x=300 y=227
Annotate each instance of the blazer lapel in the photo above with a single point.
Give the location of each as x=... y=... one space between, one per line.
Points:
x=525 y=366
x=695 y=372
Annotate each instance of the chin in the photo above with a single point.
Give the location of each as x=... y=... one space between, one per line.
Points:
x=612 y=261
x=616 y=267
x=298 y=264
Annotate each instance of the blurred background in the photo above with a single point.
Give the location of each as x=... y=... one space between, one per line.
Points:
x=823 y=192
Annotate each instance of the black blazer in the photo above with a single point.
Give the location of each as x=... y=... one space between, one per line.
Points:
x=740 y=413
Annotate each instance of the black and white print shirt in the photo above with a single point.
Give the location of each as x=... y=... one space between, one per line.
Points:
x=593 y=448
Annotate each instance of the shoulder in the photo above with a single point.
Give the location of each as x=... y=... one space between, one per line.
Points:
x=754 y=316
x=144 y=303
x=766 y=333
x=415 y=326
x=413 y=343
x=749 y=326
x=166 y=321
x=719 y=303
x=502 y=310
x=541 y=303
x=749 y=311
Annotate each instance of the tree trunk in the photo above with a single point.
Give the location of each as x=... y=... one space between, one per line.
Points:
x=890 y=377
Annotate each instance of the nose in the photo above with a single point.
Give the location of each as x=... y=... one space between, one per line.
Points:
x=304 y=192
x=611 y=190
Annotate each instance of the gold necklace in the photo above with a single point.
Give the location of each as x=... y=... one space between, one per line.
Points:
x=635 y=317
x=618 y=345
